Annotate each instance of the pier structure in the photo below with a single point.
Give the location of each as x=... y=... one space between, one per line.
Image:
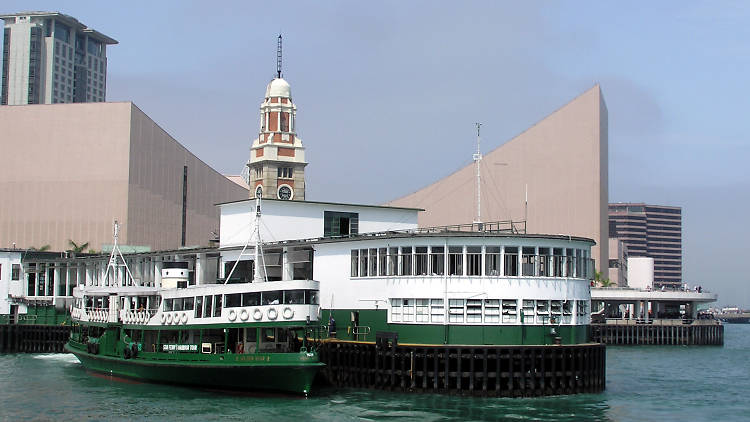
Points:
x=627 y=316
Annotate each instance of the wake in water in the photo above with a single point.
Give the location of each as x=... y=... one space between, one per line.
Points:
x=57 y=357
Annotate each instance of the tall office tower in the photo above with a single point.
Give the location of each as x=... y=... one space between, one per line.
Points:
x=653 y=231
x=276 y=168
x=49 y=57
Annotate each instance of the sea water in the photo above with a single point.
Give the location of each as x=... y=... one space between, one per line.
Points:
x=644 y=383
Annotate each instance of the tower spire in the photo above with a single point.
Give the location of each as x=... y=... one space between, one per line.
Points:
x=278 y=57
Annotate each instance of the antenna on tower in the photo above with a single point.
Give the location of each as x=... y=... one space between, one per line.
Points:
x=278 y=58
x=477 y=159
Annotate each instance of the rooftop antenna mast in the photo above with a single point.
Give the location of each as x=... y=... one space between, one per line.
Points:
x=478 y=159
x=278 y=58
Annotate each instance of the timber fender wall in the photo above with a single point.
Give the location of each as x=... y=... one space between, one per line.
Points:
x=33 y=338
x=662 y=335
x=505 y=371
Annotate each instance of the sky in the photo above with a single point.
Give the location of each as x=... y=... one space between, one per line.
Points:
x=388 y=93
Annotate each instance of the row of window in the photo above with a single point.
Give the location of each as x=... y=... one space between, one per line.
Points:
x=211 y=305
x=471 y=261
x=489 y=311
x=285 y=172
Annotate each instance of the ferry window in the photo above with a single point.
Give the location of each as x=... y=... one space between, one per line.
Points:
x=567 y=310
x=177 y=304
x=423 y=310
x=15 y=272
x=392 y=261
x=527 y=262
x=340 y=223
x=437 y=260
x=234 y=300
x=510 y=310
x=396 y=310
x=542 y=311
x=311 y=297
x=251 y=299
x=528 y=311
x=355 y=263
x=382 y=261
x=420 y=260
x=251 y=334
x=491 y=310
x=301 y=261
x=199 y=307
x=272 y=297
x=473 y=260
x=208 y=301
x=292 y=297
x=168 y=305
x=474 y=310
x=557 y=262
x=363 y=262
x=456 y=310
x=544 y=262
x=456 y=260
x=408 y=310
x=373 y=262
x=31 y=284
x=405 y=268
x=492 y=260
x=569 y=263
x=555 y=310
x=217 y=307
x=188 y=303
x=437 y=310
x=582 y=307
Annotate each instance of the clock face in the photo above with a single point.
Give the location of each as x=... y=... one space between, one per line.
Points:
x=259 y=192
x=285 y=192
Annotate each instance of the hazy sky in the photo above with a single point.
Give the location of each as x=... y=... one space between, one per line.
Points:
x=388 y=93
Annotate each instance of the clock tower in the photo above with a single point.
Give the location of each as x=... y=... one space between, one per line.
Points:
x=276 y=168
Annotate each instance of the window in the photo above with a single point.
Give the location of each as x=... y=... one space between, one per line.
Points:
x=456 y=260
x=491 y=310
x=420 y=260
x=234 y=300
x=474 y=310
x=555 y=311
x=373 y=262
x=569 y=263
x=294 y=297
x=392 y=261
x=199 y=307
x=456 y=310
x=340 y=223
x=15 y=272
x=544 y=262
x=382 y=261
x=188 y=303
x=408 y=310
x=528 y=311
x=251 y=299
x=567 y=310
x=437 y=310
x=177 y=305
x=217 y=307
x=355 y=263
x=527 y=262
x=208 y=301
x=168 y=305
x=473 y=260
x=423 y=310
x=363 y=263
x=437 y=260
x=511 y=261
x=510 y=310
x=542 y=311
x=405 y=268
x=272 y=297
x=396 y=310
x=557 y=262
x=582 y=307
x=492 y=261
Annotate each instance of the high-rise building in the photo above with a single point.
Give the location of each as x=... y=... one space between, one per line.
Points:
x=50 y=57
x=653 y=231
x=276 y=168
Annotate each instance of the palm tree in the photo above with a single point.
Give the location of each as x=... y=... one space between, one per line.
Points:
x=76 y=248
x=602 y=282
x=40 y=249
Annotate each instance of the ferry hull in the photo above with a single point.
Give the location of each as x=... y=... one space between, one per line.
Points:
x=241 y=374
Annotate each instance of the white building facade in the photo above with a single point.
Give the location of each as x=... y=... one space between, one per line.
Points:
x=50 y=57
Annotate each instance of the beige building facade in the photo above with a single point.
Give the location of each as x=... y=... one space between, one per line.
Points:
x=69 y=170
x=554 y=175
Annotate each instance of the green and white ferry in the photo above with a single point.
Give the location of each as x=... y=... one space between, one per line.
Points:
x=242 y=333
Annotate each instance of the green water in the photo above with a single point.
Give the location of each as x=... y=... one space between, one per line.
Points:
x=669 y=383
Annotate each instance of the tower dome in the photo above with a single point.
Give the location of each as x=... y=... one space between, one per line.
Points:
x=278 y=88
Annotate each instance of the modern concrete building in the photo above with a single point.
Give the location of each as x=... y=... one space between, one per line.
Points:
x=49 y=57
x=653 y=231
x=556 y=179
x=69 y=170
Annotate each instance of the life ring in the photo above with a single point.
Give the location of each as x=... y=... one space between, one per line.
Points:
x=257 y=314
x=184 y=317
x=163 y=318
x=232 y=315
x=272 y=314
x=244 y=315
x=288 y=313
x=169 y=318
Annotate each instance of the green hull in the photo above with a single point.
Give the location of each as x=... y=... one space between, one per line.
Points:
x=282 y=372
